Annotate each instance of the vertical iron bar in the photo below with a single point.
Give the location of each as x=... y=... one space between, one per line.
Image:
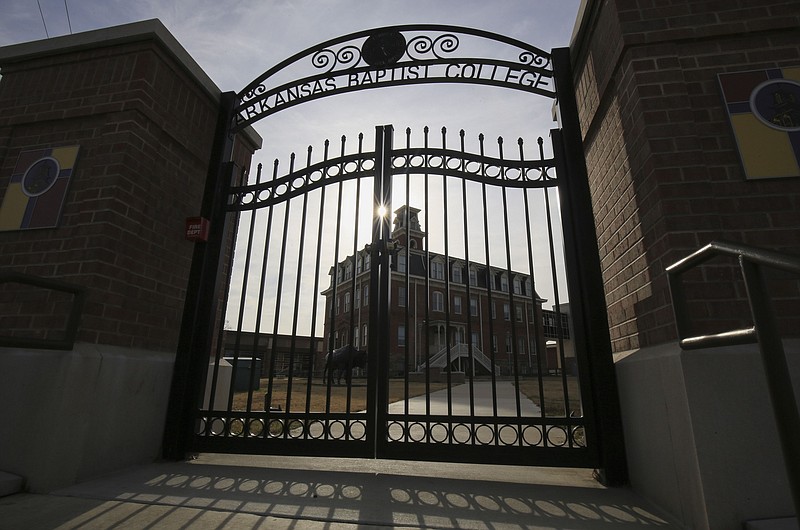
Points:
x=352 y=292
x=313 y=341
x=298 y=281
x=334 y=291
x=556 y=290
x=581 y=242
x=470 y=352
x=779 y=382
x=426 y=130
x=242 y=303
x=406 y=278
x=537 y=320
x=379 y=290
x=279 y=294
x=269 y=347
x=489 y=286
x=512 y=306
x=447 y=283
x=218 y=355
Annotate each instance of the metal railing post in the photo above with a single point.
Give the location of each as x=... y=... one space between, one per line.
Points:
x=776 y=370
x=764 y=332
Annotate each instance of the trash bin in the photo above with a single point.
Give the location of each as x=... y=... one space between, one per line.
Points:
x=241 y=373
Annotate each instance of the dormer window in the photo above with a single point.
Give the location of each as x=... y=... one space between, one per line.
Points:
x=457 y=274
x=437 y=270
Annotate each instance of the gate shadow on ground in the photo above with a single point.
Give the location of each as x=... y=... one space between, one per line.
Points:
x=369 y=498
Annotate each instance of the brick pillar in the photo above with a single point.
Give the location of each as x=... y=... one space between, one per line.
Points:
x=666 y=179
x=141 y=114
x=662 y=159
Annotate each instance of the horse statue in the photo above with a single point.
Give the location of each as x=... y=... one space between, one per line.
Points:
x=342 y=361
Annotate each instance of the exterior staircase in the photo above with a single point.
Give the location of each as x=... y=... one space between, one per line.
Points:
x=439 y=359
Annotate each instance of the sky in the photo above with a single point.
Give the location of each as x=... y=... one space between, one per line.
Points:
x=236 y=41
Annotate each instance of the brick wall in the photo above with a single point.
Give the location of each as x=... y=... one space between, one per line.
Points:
x=663 y=165
x=145 y=128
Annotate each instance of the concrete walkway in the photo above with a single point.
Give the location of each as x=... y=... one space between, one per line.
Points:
x=505 y=395
x=302 y=493
x=264 y=492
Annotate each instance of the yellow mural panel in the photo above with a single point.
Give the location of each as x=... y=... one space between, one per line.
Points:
x=766 y=152
x=13 y=209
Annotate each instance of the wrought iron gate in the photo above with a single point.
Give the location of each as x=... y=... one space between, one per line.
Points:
x=436 y=274
x=457 y=365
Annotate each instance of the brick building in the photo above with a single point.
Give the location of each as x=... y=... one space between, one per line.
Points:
x=447 y=300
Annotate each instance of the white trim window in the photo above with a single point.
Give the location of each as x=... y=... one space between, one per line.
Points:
x=457 y=278
x=437 y=270
x=437 y=301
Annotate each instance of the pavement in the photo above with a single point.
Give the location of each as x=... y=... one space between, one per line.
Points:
x=217 y=491
x=484 y=397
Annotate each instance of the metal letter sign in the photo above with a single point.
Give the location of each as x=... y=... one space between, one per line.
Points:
x=401 y=55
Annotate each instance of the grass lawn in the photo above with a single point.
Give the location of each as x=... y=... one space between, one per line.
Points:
x=553 y=387
x=319 y=394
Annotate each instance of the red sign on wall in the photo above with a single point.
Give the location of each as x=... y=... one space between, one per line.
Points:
x=197 y=229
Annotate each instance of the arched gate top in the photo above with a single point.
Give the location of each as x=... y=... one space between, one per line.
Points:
x=518 y=172
x=393 y=56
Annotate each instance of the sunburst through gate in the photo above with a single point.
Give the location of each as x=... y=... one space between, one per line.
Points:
x=402 y=302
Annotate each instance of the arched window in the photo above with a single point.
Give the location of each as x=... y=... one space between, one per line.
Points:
x=437 y=301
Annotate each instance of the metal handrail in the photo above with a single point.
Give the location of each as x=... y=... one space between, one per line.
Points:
x=457 y=350
x=764 y=332
x=71 y=329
